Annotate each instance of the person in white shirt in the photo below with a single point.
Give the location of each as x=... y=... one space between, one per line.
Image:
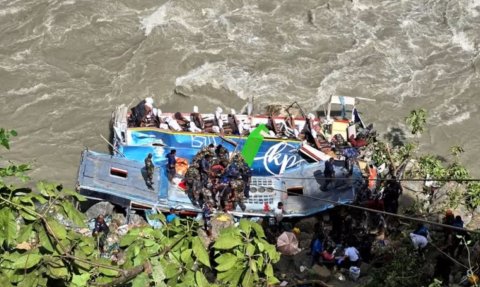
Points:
x=351 y=257
x=419 y=241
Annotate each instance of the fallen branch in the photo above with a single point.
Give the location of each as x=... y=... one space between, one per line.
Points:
x=128 y=275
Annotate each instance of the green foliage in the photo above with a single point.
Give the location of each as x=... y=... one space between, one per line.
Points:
x=456 y=150
x=244 y=257
x=416 y=121
x=404 y=270
x=5 y=137
x=473 y=194
x=432 y=166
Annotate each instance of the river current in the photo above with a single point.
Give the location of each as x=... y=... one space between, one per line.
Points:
x=65 y=65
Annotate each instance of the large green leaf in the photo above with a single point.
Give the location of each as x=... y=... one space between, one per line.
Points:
x=201 y=280
x=47 y=189
x=80 y=263
x=8 y=226
x=44 y=238
x=227 y=241
x=127 y=240
x=248 y=279
x=273 y=280
x=158 y=276
x=80 y=280
x=59 y=273
x=5 y=280
x=269 y=270
x=226 y=261
x=27 y=215
x=250 y=249
x=28 y=260
x=246 y=226
x=31 y=279
x=171 y=270
x=25 y=233
x=141 y=280
x=231 y=276
x=186 y=256
x=258 y=229
x=108 y=272
x=200 y=251
x=58 y=230
x=73 y=214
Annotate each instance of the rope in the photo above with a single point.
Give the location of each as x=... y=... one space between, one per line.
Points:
x=383 y=212
x=384 y=179
x=451 y=258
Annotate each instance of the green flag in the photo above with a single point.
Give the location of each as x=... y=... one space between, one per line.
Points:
x=253 y=143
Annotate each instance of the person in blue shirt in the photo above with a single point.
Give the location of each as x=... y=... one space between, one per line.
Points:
x=171 y=217
x=205 y=169
x=171 y=164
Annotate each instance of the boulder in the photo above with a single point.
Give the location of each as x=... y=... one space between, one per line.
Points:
x=102 y=208
x=119 y=218
x=320 y=272
x=220 y=221
x=137 y=220
x=301 y=259
x=284 y=265
x=364 y=268
x=307 y=225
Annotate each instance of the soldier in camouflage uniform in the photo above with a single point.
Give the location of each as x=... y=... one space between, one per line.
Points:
x=192 y=178
x=237 y=189
x=221 y=152
x=246 y=174
x=207 y=195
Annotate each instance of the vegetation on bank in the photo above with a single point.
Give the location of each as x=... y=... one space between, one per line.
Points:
x=44 y=242
x=403 y=269
x=404 y=158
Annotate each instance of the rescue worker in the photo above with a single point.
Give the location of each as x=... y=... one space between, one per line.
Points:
x=206 y=195
x=171 y=161
x=239 y=197
x=329 y=173
x=205 y=169
x=100 y=231
x=192 y=178
x=217 y=169
x=372 y=177
x=149 y=167
x=246 y=174
x=392 y=192
x=221 y=152
x=207 y=213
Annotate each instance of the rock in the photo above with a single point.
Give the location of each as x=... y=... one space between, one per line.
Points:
x=321 y=273
x=220 y=221
x=284 y=265
x=137 y=220
x=204 y=238
x=307 y=225
x=301 y=259
x=119 y=218
x=304 y=244
x=102 y=208
x=364 y=268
